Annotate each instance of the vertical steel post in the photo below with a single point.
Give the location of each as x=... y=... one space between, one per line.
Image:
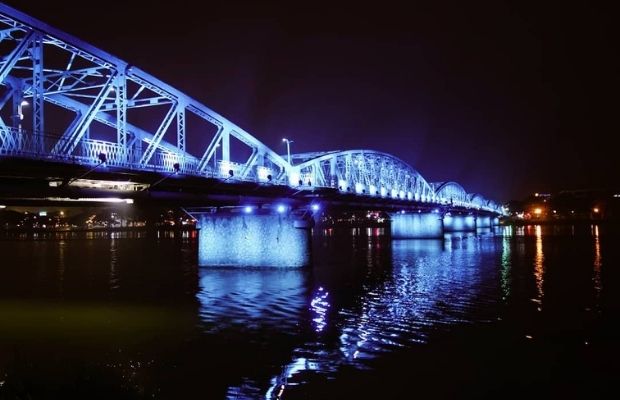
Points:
x=120 y=86
x=37 y=93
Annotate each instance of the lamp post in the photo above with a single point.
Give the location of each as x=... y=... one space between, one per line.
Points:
x=19 y=113
x=288 y=148
x=215 y=159
x=175 y=170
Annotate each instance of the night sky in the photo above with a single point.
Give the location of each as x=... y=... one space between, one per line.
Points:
x=506 y=99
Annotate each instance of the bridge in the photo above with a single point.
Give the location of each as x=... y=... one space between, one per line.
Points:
x=82 y=121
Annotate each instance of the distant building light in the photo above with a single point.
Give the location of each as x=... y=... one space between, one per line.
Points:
x=595 y=210
x=536 y=194
x=315 y=207
x=247 y=209
x=281 y=208
x=617 y=195
x=537 y=211
x=2 y=206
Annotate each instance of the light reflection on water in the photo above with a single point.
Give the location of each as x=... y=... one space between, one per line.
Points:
x=249 y=299
x=319 y=306
x=507 y=235
x=265 y=332
x=598 y=262
x=539 y=266
x=429 y=286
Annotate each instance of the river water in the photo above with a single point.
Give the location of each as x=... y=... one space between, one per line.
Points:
x=512 y=312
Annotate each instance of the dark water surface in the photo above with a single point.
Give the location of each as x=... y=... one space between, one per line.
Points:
x=517 y=312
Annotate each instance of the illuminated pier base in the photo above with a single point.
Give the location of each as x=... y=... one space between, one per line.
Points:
x=249 y=240
x=483 y=221
x=417 y=226
x=459 y=223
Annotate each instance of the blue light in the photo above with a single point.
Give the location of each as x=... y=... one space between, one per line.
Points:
x=251 y=240
x=316 y=207
x=413 y=225
x=281 y=208
x=319 y=306
x=402 y=211
x=247 y=209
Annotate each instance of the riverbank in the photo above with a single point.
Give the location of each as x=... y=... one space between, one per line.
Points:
x=525 y=222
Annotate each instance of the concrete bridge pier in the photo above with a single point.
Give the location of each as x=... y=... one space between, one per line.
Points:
x=414 y=225
x=483 y=221
x=459 y=223
x=249 y=238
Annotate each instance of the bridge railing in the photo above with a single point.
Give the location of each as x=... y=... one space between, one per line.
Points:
x=23 y=143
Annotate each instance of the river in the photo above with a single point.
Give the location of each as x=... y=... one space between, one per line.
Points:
x=513 y=311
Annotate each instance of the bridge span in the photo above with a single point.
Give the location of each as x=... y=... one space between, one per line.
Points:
x=79 y=124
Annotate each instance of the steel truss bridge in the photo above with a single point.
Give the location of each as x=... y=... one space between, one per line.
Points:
x=63 y=100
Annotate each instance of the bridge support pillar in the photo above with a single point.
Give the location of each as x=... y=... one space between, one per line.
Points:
x=416 y=226
x=252 y=240
x=483 y=221
x=459 y=223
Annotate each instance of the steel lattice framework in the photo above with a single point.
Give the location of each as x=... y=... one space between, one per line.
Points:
x=451 y=193
x=52 y=72
x=363 y=172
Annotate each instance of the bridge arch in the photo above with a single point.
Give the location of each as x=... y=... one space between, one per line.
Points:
x=493 y=206
x=450 y=193
x=477 y=200
x=364 y=172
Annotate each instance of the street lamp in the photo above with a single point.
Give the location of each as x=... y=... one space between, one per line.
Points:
x=288 y=148
x=19 y=116
x=215 y=157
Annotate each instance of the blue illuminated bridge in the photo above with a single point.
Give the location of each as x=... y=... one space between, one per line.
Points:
x=78 y=124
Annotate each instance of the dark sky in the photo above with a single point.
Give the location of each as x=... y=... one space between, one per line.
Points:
x=506 y=99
